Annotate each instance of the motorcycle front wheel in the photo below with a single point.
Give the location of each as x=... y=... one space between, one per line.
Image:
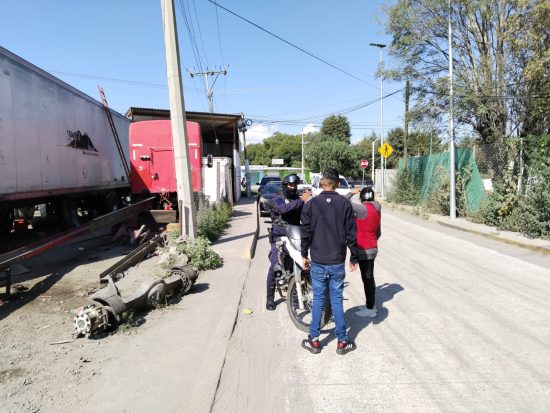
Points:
x=302 y=318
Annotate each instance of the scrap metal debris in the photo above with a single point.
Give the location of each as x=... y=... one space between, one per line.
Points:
x=109 y=305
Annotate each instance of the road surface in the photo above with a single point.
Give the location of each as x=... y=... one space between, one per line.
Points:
x=462 y=326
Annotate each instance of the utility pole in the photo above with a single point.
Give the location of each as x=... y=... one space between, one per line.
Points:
x=242 y=127
x=186 y=203
x=406 y=132
x=209 y=89
x=382 y=163
x=452 y=195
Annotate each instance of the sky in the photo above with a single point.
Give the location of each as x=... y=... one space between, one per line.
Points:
x=119 y=44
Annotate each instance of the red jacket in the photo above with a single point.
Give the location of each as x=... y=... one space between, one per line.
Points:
x=367 y=229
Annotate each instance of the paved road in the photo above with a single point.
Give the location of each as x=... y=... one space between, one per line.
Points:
x=462 y=326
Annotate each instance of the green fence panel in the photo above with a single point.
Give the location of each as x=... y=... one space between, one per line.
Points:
x=429 y=170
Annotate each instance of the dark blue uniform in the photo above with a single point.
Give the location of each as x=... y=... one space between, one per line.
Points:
x=287 y=211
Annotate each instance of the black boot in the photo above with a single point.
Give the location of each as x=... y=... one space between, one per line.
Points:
x=270 y=300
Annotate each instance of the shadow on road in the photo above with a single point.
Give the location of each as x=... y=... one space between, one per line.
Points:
x=54 y=267
x=223 y=240
x=384 y=293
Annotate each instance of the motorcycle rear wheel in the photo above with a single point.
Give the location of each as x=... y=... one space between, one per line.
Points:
x=302 y=318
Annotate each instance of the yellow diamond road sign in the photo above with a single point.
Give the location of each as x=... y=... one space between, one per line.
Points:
x=385 y=150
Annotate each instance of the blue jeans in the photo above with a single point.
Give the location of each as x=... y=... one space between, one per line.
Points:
x=333 y=276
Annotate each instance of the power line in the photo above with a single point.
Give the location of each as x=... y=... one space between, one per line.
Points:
x=302 y=121
x=221 y=52
x=111 y=79
x=200 y=32
x=292 y=44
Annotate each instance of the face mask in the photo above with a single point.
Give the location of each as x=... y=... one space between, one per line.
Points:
x=290 y=192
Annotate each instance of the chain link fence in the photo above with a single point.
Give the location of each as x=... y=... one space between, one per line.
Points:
x=430 y=175
x=503 y=184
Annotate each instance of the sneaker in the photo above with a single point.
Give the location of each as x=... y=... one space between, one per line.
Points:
x=312 y=345
x=365 y=312
x=345 y=347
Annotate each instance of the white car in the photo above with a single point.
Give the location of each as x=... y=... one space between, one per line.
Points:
x=343 y=189
x=303 y=187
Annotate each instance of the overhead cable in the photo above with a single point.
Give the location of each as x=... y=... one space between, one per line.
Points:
x=292 y=44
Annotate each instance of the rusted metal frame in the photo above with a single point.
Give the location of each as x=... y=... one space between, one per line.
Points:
x=134 y=257
x=115 y=133
x=39 y=247
x=5 y=279
x=159 y=216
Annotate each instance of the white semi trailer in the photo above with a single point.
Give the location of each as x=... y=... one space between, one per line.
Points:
x=56 y=146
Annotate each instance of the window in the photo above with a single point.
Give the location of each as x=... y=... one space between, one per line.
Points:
x=344 y=183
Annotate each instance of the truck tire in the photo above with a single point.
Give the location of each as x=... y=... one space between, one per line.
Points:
x=109 y=202
x=6 y=220
x=26 y=213
x=69 y=213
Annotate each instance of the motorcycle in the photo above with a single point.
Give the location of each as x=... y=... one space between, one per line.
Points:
x=293 y=283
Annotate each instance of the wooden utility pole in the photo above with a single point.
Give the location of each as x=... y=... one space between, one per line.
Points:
x=406 y=132
x=186 y=203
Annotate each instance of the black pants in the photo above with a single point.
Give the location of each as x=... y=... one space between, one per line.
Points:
x=367 y=275
x=273 y=259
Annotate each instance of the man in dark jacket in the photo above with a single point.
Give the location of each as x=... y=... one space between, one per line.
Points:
x=328 y=227
x=287 y=208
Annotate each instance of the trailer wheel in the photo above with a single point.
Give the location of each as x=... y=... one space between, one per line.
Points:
x=109 y=202
x=26 y=213
x=6 y=220
x=71 y=219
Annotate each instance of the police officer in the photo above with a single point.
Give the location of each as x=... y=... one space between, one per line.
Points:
x=287 y=209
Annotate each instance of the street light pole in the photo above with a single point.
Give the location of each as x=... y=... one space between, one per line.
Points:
x=382 y=163
x=303 y=176
x=452 y=195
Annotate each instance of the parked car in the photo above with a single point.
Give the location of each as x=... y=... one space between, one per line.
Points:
x=343 y=189
x=265 y=180
x=269 y=192
x=303 y=187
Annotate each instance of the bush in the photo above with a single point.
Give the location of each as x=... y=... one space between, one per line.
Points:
x=528 y=214
x=405 y=189
x=200 y=255
x=438 y=201
x=212 y=220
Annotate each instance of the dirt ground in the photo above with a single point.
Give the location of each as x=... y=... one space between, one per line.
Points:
x=37 y=346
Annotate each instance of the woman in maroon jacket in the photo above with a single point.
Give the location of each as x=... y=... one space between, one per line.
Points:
x=368 y=215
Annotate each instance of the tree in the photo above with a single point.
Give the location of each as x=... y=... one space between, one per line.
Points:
x=419 y=144
x=336 y=127
x=530 y=46
x=278 y=146
x=258 y=154
x=363 y=150
x=331 y=153
x=500 y=52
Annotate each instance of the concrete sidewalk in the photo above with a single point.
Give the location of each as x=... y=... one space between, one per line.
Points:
x=179 y=353
x=512 y=238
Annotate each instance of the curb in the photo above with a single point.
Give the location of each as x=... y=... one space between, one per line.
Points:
x=250 y=248
x=535 y=248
